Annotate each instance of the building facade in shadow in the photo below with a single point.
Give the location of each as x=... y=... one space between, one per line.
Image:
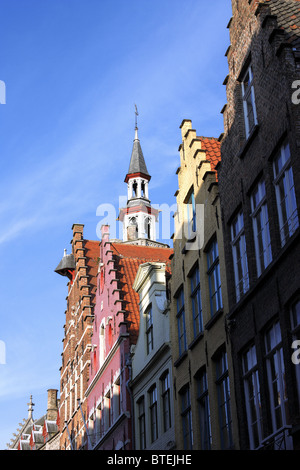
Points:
x=260 y=195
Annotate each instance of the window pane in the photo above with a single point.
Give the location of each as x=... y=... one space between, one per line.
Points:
x=196 y=302
x=239 y=256
x=186 y=417
x=214 y=278
x=285 y=194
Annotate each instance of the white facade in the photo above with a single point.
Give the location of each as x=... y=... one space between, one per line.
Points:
x=152 y=363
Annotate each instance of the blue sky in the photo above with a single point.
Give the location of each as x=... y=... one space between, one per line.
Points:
x=73 y=72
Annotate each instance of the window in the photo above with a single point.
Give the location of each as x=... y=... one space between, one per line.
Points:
x=116 y=399
x=191 y=215
x=261 y=230
x=196 y=302
x=166 y=405
x=147 y=226
x=285 y=193
x=276 y=377
x=107 y=411
x=149 y=329
x=249 y=101
x=98 y=423
x=295 y=327
x=239 y=254
x=141 y=422
x=223 y=388
x=101 y=345
x=153 y=413
x=252 y=397
x=204 y=410
x=181 y=322
x=186 y=418
x=214 y=278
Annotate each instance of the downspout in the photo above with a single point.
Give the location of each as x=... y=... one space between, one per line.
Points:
x=69 y=435
x=86 y=429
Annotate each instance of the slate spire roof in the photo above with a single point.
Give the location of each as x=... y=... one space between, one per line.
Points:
x=137 y=161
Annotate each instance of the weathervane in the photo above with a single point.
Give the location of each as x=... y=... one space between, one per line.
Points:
x=136 y=115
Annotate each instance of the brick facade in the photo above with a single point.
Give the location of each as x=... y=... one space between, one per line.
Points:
x=77 y=341
x=265 y=37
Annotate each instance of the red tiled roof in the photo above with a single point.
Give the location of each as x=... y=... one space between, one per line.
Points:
x=128 y=258
x=213 y=150
x=147 y=253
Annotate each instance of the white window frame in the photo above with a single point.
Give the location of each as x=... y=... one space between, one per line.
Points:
x=252 y=396
x=295 y=329
x=149 y=329
x=204 y=410
x=248 y=94
x=239 y=254
x=153 y=413
x=261 y=229
x=286 y=203
x=191 y=215
x=180 y=315
x=165 y=401
x=275 y=362
x=214 y=278
x=196 y=302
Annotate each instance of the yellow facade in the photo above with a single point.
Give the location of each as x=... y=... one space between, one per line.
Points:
x=206 y=341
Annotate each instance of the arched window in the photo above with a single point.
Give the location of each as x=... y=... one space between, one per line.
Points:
x=132 y=229
x=134 y=188
x=148 y=228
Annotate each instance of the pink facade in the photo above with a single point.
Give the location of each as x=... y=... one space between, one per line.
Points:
x=108 y=398
x=115 y=329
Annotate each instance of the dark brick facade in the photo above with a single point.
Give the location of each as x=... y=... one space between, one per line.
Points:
x=263 y=35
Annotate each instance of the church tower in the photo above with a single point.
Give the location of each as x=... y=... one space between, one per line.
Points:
x=138 y=217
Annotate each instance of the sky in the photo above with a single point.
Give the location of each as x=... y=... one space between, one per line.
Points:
x=73 y=72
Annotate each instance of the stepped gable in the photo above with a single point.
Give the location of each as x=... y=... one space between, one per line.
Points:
x=92 y=259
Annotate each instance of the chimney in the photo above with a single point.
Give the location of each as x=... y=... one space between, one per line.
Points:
x=52 y=405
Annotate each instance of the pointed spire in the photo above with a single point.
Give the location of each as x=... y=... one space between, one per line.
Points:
x=137 y=161
x=30 y=409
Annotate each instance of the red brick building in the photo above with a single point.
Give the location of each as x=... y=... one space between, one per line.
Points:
x=81 y=268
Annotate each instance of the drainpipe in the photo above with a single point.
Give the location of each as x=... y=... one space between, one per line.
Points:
x=86 y=429
x=69 y=435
